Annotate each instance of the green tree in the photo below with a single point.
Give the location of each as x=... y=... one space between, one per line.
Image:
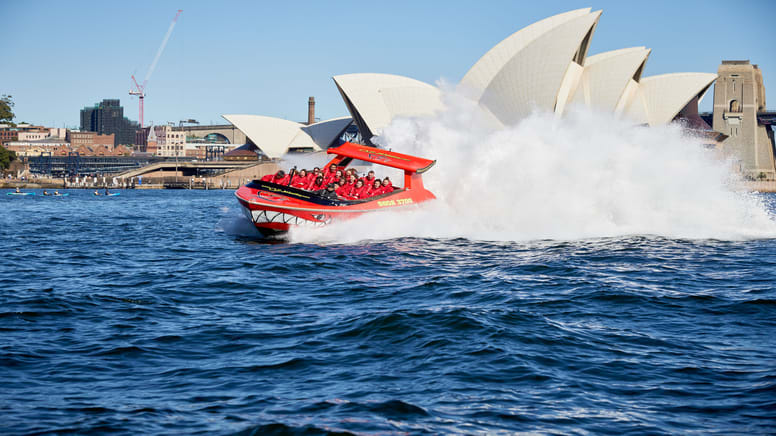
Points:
x=6 y=157
x=6 y=114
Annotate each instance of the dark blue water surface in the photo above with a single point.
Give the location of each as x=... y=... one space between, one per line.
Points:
x=147 y=314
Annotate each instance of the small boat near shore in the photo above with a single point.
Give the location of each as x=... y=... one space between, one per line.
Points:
x=275 y=208
x=20 y=193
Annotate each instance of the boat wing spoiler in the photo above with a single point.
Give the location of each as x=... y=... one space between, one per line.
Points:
x=383 y=157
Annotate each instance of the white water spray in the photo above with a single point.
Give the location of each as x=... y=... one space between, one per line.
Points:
x=583 y=176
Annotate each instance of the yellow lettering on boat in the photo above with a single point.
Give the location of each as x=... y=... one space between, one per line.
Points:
x=283 y=191
x=402 y=201
x=386 y=203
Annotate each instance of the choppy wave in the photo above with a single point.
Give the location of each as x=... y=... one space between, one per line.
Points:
x=160 y=314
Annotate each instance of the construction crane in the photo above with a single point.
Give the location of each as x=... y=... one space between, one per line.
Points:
x=139 y=90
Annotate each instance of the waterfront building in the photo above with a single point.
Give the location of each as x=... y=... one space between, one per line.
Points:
x=212 y=147
x=107 y=117
x=61 y=147
x=374 y=100
x=210 y=134
x=739 y=102
x=9 y=133
x=213 y=134
x=544 y=66
x=151 y=141
x=58 y=132
x=37 y=132
x=36 y=147
x=274 y=137
x=169 y=143
x=141 y=138
x=33 y=136
x=77 y=138
x=242 y=153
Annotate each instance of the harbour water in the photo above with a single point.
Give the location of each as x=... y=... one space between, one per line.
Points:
x=160 y=312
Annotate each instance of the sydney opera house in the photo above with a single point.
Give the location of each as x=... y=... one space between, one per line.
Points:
x=544 y=66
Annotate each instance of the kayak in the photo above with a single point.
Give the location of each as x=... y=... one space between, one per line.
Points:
x=113 y=194
x=20 y=193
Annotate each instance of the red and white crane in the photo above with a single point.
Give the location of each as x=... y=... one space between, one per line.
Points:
x=139 y=90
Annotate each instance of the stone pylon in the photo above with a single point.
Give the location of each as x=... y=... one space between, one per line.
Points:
x=739 y=95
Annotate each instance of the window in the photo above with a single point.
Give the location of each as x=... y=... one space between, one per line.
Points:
x=735 y=106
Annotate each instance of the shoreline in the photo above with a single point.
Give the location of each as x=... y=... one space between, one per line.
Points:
x=749 y=186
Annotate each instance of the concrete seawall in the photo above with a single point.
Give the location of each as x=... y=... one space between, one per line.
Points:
x=759 y=186
x=156 y=180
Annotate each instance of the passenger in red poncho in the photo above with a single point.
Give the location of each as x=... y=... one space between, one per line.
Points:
x=369 y=180
x=346 y=189
x=317 y=184
x=371 y=191
x=329 y=172
x=343 y=189
x=357 y=189
x=360 y=191
x=309 y=180
x=333 y=178
x=279 y=177
x=300 y=180
x=387 y=186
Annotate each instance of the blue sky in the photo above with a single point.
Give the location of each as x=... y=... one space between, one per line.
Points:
x=266 y=58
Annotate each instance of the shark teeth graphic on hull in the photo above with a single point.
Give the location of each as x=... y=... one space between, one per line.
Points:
x=268 y=216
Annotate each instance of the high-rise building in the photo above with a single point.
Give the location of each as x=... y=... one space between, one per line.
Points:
x=108 y=117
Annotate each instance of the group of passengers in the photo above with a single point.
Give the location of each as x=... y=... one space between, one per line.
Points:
x=333 y=182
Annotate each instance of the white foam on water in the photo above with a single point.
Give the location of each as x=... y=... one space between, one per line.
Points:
x=584 y=175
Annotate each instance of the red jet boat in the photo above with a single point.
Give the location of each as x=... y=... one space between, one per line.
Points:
x=274 y=208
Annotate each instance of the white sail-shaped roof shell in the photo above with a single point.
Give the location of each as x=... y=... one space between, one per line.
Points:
x=325 y=133
x=606 y=77
x=533 y=67
x=375 y=99
x=275 y=136
x=658 y=99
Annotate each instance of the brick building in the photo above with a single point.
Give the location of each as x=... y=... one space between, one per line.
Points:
x=76 y=139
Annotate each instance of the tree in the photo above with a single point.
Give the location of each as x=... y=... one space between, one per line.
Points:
x=6 y=157
x=6 y=114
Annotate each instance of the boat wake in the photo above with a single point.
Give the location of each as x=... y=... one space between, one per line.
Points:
x=586 y=175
